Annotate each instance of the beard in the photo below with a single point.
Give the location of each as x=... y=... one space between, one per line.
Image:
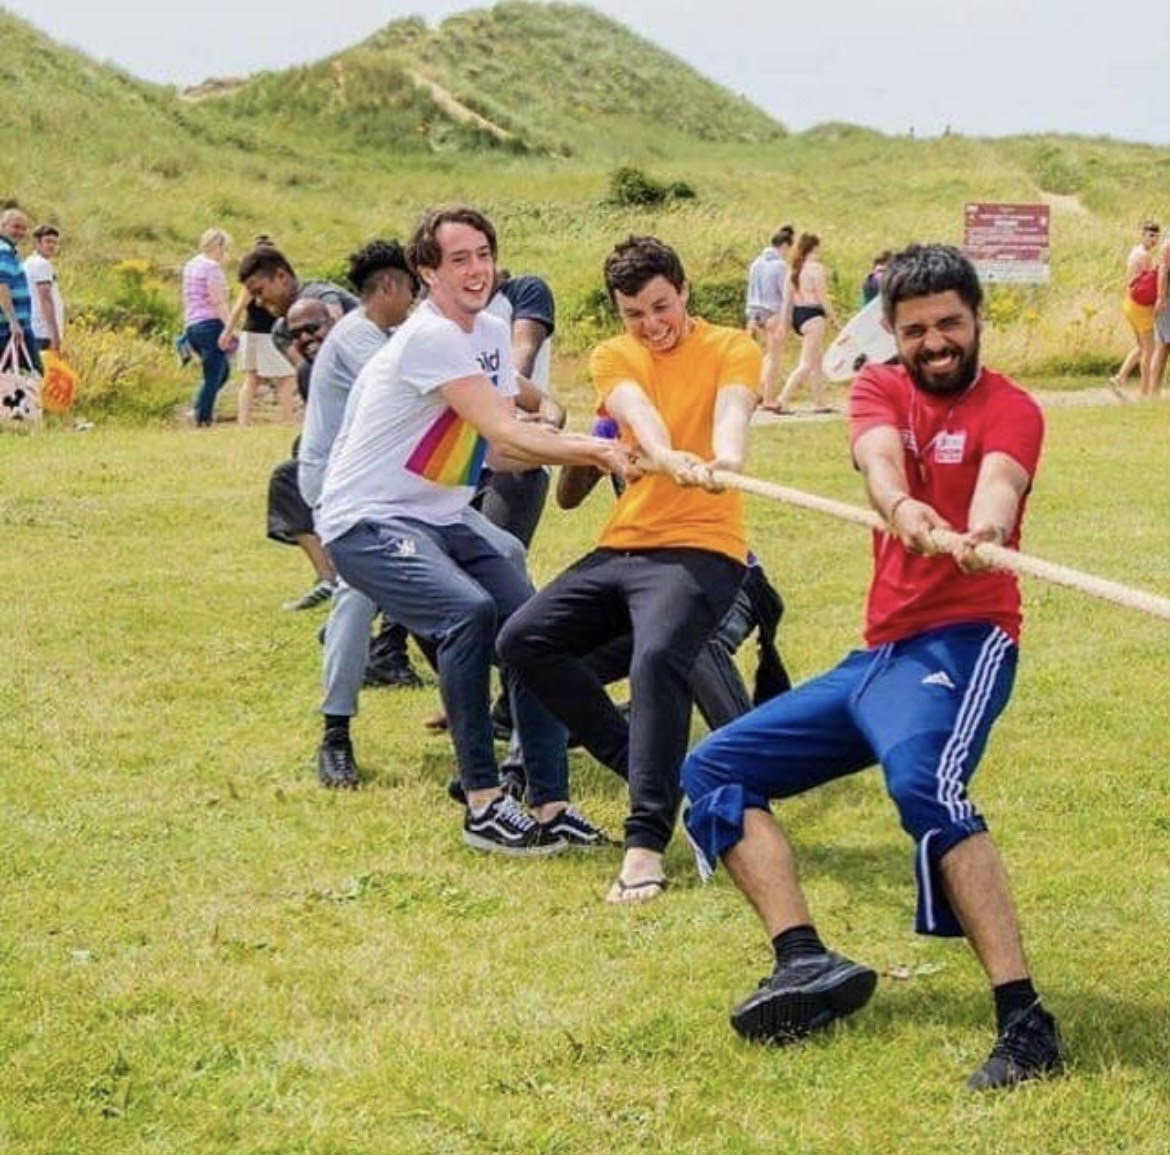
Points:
x=948 y=384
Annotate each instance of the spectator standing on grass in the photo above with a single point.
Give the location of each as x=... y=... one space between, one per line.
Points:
x=671 y=559
x=258 y=356
x=809 y=312
x=205 y=315
x=871 y=287
x=940 y=442
x=767 y=278
x=15 y=297
x=395 y=517
x=1161 y=320
x=48 y=307
x=1140 y=317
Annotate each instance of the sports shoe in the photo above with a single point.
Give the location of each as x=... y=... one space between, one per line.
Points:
x=1028 y=1048
x=576 y=831
x=393 y=672
x=336 y=767
x=802 y=996
x=505 y=828
x=319 y=594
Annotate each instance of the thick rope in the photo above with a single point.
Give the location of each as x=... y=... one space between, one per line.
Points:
x=944 y=540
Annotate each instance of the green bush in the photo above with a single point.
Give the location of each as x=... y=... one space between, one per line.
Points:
x=631 y=188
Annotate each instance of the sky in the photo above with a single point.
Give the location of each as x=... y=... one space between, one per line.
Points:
x=979 y=67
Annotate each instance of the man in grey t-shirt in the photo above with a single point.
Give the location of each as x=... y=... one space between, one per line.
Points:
x=387 y=288
x=767 y=279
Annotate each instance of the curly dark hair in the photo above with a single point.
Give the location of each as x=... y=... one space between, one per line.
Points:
x=424 y=251
x=636 y=261
x=375 y=258
x=921 y=270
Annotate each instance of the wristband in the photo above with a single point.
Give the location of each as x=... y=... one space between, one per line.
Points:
x=894 y=508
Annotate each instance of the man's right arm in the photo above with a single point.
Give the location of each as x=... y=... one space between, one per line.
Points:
x=880 y=457
x=478 y=403
x=627 y=403
x=1163 y=275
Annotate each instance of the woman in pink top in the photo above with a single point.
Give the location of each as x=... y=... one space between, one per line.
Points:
x=205 y=314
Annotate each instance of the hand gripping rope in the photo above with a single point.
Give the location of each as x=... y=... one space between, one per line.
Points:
x=945 y=539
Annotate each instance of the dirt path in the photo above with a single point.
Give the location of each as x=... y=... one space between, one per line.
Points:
x=1048 y=398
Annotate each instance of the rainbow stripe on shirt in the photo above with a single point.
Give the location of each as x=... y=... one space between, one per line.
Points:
x=451 y=452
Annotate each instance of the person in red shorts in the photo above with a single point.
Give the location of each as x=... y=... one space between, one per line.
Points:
x=941 y=442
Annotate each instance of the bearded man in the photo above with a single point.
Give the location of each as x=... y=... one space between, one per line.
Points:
x=941 y=443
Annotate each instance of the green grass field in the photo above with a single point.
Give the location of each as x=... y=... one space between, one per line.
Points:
x=202 y=951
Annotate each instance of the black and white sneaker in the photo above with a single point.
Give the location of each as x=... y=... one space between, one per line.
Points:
x=504 y=828
x=1029 y=1048
x=803 y=996
x=576 y=831
x=318 y=595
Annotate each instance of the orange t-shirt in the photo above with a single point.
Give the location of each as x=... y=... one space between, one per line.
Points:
x=655 y=513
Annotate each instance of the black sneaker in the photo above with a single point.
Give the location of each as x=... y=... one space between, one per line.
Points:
x=802 y=996
x=576 y=831
x=336 y=767
x=1029 y=1048
x=505 y=828
x=397 y=672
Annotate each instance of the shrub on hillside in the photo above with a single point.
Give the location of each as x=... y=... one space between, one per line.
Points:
x=631 y=188
x=139 y=304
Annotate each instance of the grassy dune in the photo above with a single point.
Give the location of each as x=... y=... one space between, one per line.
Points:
x=328 y=155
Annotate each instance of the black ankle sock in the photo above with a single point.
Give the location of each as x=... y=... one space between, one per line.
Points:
x=797 y=942
x=336 y=729
x=1011 y=997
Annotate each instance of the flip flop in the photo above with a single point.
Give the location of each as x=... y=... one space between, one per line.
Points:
x=626 y=891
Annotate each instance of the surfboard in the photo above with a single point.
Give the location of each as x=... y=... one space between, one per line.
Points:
x=864 y=339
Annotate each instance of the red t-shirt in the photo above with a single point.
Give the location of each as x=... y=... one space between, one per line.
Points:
x=945 y=440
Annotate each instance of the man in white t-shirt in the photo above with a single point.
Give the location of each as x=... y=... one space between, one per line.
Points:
x=48 y=309
x=395 y=517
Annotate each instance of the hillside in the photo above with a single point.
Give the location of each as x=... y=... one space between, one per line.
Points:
x=552 y=78
x=326 y=156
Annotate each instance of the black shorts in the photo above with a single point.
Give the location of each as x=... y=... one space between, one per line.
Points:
x=288 y=515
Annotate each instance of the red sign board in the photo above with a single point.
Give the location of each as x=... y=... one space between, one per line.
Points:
x=1007 y=242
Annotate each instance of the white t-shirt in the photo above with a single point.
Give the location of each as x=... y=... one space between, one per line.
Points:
x=39 y=271
x=402 y=451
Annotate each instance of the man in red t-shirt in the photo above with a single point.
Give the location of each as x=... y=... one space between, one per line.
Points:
x=941 y=443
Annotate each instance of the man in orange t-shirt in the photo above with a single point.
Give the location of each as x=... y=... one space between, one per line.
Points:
x=670 y=559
